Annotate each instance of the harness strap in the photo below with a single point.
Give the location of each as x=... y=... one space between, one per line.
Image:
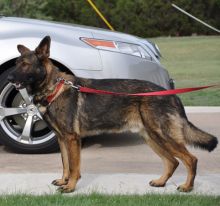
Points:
x=57 y=89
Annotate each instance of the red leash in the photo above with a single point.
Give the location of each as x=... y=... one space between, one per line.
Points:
x=155 y=93
x=82 y=89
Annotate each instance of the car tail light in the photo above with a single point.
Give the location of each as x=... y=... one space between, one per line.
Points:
x=121 y=47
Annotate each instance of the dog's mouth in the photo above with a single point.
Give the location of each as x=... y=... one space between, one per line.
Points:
x=18 y=86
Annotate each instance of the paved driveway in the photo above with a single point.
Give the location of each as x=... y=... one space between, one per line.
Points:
x=117 y=154
x=113 y=154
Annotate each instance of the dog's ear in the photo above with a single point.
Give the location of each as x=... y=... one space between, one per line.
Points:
x=43 y=49
x=22 y=49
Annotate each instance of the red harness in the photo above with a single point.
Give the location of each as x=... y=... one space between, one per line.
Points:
x=57 y=89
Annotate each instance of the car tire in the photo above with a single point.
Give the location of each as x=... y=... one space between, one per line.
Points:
x=21 y=126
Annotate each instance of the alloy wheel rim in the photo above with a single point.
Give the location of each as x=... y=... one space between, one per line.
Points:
x=21 y=119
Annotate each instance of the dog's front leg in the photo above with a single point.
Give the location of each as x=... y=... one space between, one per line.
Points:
x=73 y=147
x=65 y=162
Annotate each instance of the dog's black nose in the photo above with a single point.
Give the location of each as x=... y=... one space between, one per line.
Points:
x=11 y=78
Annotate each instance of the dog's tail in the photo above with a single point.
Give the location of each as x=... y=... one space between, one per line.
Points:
x=199 y=138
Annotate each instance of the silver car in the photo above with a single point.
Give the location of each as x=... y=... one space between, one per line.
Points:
x=85 y=51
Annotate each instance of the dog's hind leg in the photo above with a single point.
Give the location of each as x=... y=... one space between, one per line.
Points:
x=65 y=162
x=176 y=144
x=170 y=163
x=73 y=147
x=190 y=161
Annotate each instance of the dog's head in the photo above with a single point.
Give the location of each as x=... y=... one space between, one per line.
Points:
x=30 y=69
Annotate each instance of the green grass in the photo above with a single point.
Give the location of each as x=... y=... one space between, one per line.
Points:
x=193 y=61
x=105 y=200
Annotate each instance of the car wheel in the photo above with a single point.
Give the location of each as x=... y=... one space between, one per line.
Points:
x=21 y=126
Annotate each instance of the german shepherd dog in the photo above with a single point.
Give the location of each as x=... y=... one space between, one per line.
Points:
x=160 y=120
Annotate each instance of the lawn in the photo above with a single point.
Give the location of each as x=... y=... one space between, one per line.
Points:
x=117 y=200
x=193 y=61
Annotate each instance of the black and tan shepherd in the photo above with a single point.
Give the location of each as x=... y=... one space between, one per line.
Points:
x=160 y=120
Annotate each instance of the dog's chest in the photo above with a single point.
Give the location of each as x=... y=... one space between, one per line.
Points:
x=42 y=109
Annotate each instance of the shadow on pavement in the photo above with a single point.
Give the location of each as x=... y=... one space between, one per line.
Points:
x=113 y=140
x=105 y=140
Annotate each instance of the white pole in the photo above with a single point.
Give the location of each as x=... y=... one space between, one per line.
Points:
x=193 y=17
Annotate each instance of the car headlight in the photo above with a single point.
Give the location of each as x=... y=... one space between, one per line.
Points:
x=158 y=51
x=115 y=46
x=154 y=48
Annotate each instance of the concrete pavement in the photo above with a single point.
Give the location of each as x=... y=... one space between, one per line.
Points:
x=114 y=164
x=117 y=183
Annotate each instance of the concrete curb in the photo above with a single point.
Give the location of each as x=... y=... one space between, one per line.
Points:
x=39 y=184
x=202 y=110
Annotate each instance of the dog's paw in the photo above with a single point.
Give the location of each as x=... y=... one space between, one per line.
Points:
x=157 y=183
x=184 y=188
x=66 y=189
x=60 y=182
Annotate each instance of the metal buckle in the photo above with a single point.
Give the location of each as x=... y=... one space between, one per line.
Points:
x=66 y=82
x=59 y=79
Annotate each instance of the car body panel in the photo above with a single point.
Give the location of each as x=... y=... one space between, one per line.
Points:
x=73 y=54
x=82 y=59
